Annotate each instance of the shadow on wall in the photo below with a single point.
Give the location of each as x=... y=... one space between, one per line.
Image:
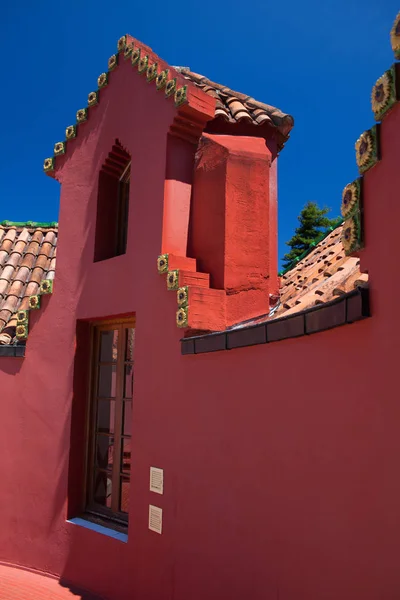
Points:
x=77 y=592
x=11 y=366
x=19 y=582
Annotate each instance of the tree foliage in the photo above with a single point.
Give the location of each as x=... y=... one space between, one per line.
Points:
x=313 y=223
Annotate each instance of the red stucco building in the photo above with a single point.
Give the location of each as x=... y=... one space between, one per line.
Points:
x=179 y=421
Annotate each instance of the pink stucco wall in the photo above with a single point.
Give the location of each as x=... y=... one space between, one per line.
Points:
x=280 y=461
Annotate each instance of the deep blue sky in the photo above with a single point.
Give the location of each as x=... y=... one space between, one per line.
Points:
x=315 y=59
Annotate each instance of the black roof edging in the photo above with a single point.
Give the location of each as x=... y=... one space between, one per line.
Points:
x=345 y=309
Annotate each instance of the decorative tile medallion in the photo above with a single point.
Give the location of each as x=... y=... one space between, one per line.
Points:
x=21 y=332
x=384 y=95
x=182 y=296
x=22 y=317
x=352 y=235
x=93 y=98
x=367 y=149
x=143 y=63
x=112 y=62
x=128 y=51
x=102 y=80
x=351 y=199
x=34 y=302
x=70 y=132
x=59 y=148
x=395 y=37
x=180 y=96
x=161 y=79
x=48 y=164
x=162 y=263
x=46 y=286
x=170 y=87
x=135 y=57
x=121 y=43
x=173 y=280
x=182 y=317
x=151 y=72
x=82 y=115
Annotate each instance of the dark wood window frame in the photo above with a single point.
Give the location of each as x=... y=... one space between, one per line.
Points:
x=118 y=472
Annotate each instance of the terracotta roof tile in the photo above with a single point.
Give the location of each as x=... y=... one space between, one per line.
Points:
x=321 y=276
x=27 y=256
x=235 y=107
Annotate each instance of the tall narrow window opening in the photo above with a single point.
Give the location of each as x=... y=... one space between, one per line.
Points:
x=109 y=456
x=113 y=204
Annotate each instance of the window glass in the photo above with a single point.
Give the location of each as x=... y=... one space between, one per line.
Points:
x=104 y=451
x=103 y=489
x=105 y=416
x=108 y=346
x=126 y=455
x=110 y=427
x=107 y=381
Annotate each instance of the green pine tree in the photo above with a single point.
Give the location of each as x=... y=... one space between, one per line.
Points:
x=313 y=223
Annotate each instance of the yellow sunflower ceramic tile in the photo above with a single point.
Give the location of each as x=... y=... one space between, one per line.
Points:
x=102 y=80
x=93 y=98
x=82 y=115
x=70 y=132
x=22 y=316
x=135 y=58
x=161 y=79
x=46 y=286
x=182 y=296
x=121 y=43
x=162 y=263
x=173 y=280
x=351 y=235
x=34 y=302
x=48 y=164
x=367 y=149
x=180 y=96
x=128 y=51
x=143 y=64
x=151 y=72
x=182 y=317
x=351 y=199
x=395 y=36
x=384 y=95
x=112 y=62
x=21 y=332
x=59 y=148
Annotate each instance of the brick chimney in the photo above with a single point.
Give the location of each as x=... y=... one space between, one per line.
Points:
x=233 y=222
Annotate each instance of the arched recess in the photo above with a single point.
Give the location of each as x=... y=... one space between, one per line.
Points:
x=113 y=204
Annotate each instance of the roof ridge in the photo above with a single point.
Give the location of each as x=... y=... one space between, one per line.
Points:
x=30 y=224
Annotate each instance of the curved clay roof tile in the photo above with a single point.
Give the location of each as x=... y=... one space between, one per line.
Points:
x=249 y=106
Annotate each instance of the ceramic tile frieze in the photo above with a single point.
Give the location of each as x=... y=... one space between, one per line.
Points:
x=22 y=316
x=143 y=65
